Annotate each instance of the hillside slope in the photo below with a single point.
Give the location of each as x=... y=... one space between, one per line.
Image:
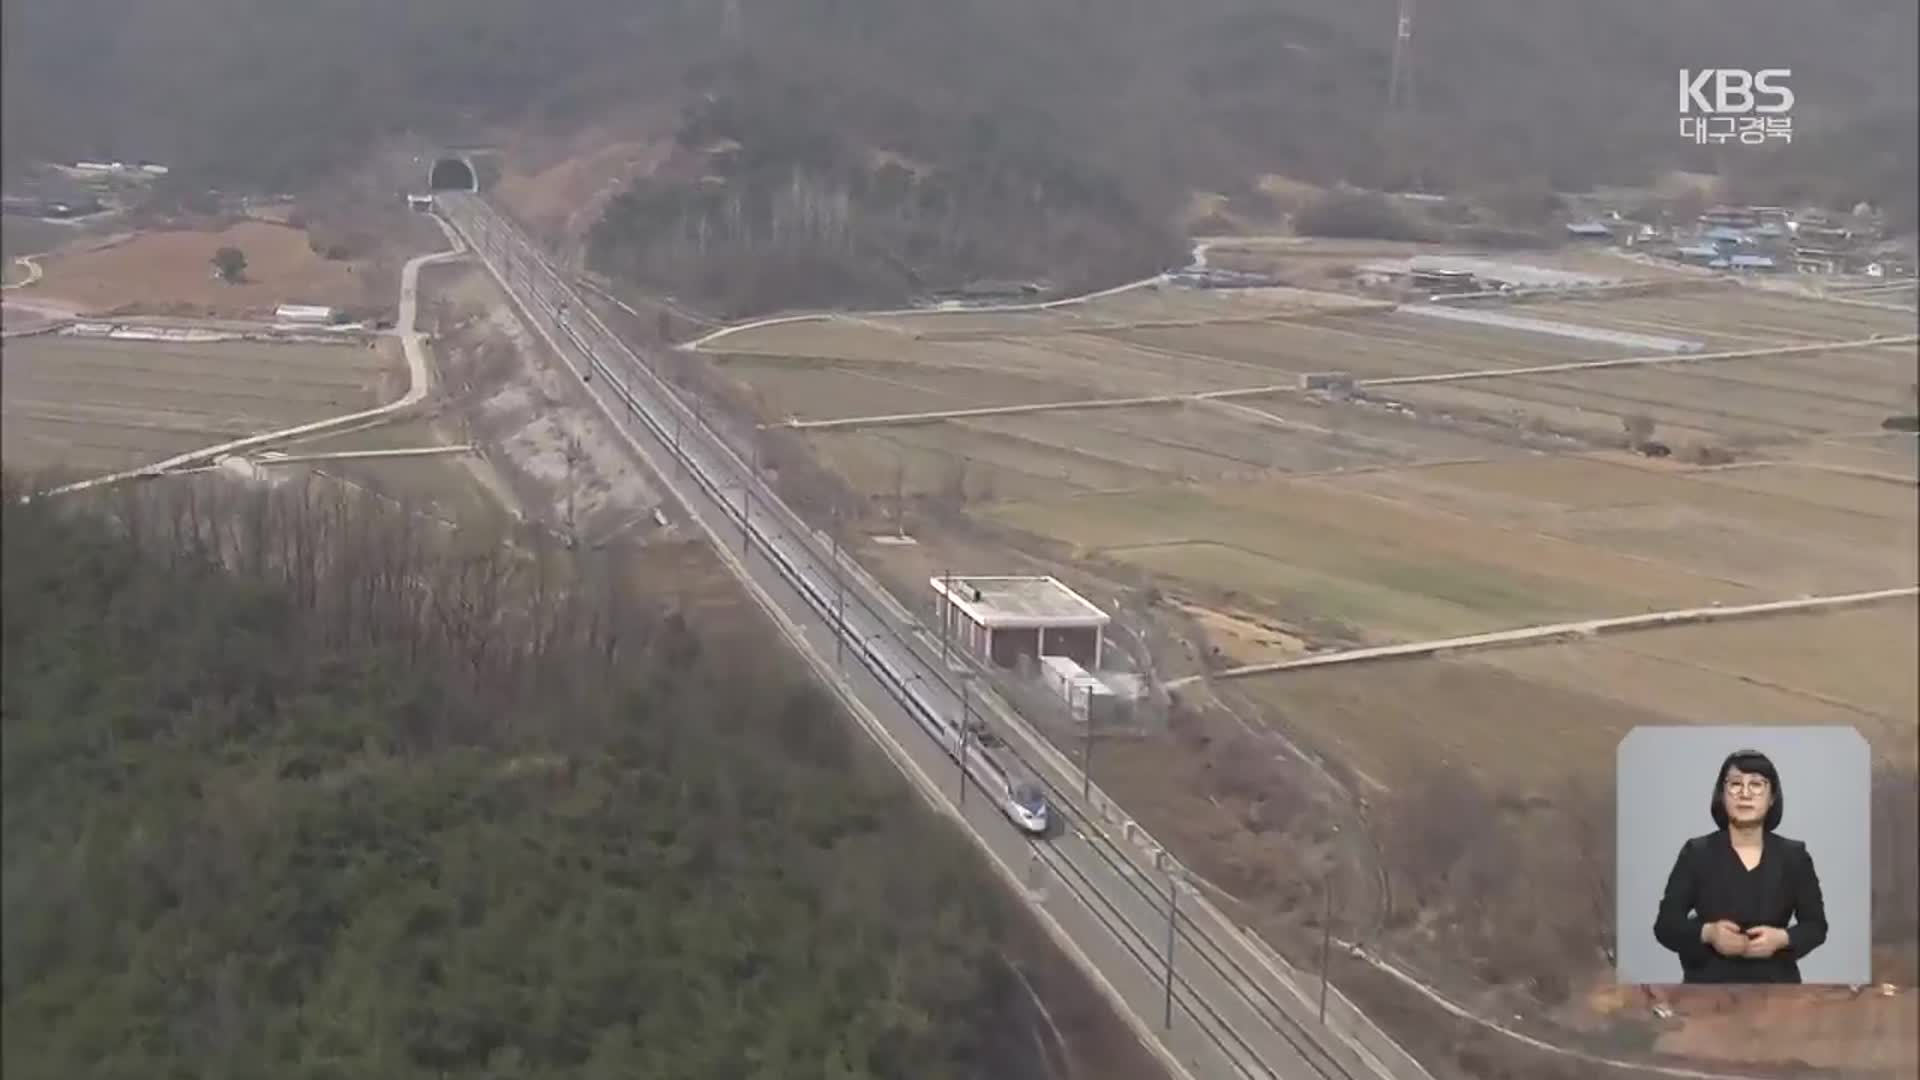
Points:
x=1055 y=134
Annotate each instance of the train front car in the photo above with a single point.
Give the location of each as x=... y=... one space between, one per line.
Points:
x=1027 y=806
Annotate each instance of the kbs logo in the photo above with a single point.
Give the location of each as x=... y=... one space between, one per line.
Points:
x=1717 y=104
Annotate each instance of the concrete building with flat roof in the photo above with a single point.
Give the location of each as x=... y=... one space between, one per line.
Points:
x=1001 y=619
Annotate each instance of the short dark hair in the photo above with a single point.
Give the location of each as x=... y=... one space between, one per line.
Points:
x=1759 y=764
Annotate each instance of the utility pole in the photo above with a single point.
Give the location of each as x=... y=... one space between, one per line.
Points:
x=1326 y=944
x=746 y=497
x=1087 y=760
x=1086 y=748
x=1398 y=78
x=1173 y=894
x=1401 y=164
x=839 y=597
x=946 y=612
x=963 y=745
x=899 y=498
x=966 y=701
x=573 y=454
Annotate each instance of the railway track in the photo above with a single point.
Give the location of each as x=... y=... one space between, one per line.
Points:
x=1251 y=1026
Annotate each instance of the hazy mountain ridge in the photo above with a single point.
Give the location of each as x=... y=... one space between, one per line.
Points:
x=1115 y=109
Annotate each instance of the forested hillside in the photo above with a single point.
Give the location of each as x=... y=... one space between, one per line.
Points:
x=363 y=806
x=888 y=145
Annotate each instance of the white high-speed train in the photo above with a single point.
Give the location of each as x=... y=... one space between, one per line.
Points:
x=1021 y=797
x=1027 y=806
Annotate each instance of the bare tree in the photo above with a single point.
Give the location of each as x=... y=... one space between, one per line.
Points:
x=1591 y=830
x=899 y=497
x=1639 y=428
x=1896 y=868
x=953 y=485
x=573 y=453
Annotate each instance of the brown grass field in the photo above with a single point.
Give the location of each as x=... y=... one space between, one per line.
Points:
x=1780 y=529
x=1389 y=569
x=170 y=273
x=95 y=405
x=1081 y=451
x=1887 y=454
x=1739 y=402
x=444 y=487
x=1527 y=718
x=1870 y=1032
x=1749 y=318
x=1369 y=346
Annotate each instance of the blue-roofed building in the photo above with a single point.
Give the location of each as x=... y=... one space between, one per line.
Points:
x=1697 y=253
x=1751 y=262
x=1725 y=236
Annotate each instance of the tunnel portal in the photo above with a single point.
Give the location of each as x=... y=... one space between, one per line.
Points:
x=452 y=174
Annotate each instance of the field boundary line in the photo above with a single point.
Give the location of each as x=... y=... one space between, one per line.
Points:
x=1645 y=361
x=1435 y=996
x=1813 y=466
x=419 y=377
x=1705 y=474
x=53 y=327
x=1278 y=315
x=1853 y=302
x=989 y=309
x=1297 y=386
x=1526 y=635
x=1755 y=680
x=1327 y=481
x=349 y=455
x=34 y=273
x=1278 y=475
x=937 y=415
x=1261 y=416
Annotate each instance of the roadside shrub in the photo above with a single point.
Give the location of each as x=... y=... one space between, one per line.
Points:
x=1708 y=454
x=1357 y=215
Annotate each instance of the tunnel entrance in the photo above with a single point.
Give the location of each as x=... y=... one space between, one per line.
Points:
x=452 y=174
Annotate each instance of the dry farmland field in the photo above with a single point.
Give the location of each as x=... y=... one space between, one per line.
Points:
x=93 y=405
x=1530 y=718
x=1731 y=318
x=167 y=271
x=1776 y=529
x=1416 y=510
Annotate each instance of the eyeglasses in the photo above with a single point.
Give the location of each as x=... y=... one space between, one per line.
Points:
x=1753 y=785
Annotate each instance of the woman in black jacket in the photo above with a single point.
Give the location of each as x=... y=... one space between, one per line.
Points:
x=1733 y=891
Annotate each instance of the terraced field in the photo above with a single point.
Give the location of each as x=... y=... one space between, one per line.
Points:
x=98 y=405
